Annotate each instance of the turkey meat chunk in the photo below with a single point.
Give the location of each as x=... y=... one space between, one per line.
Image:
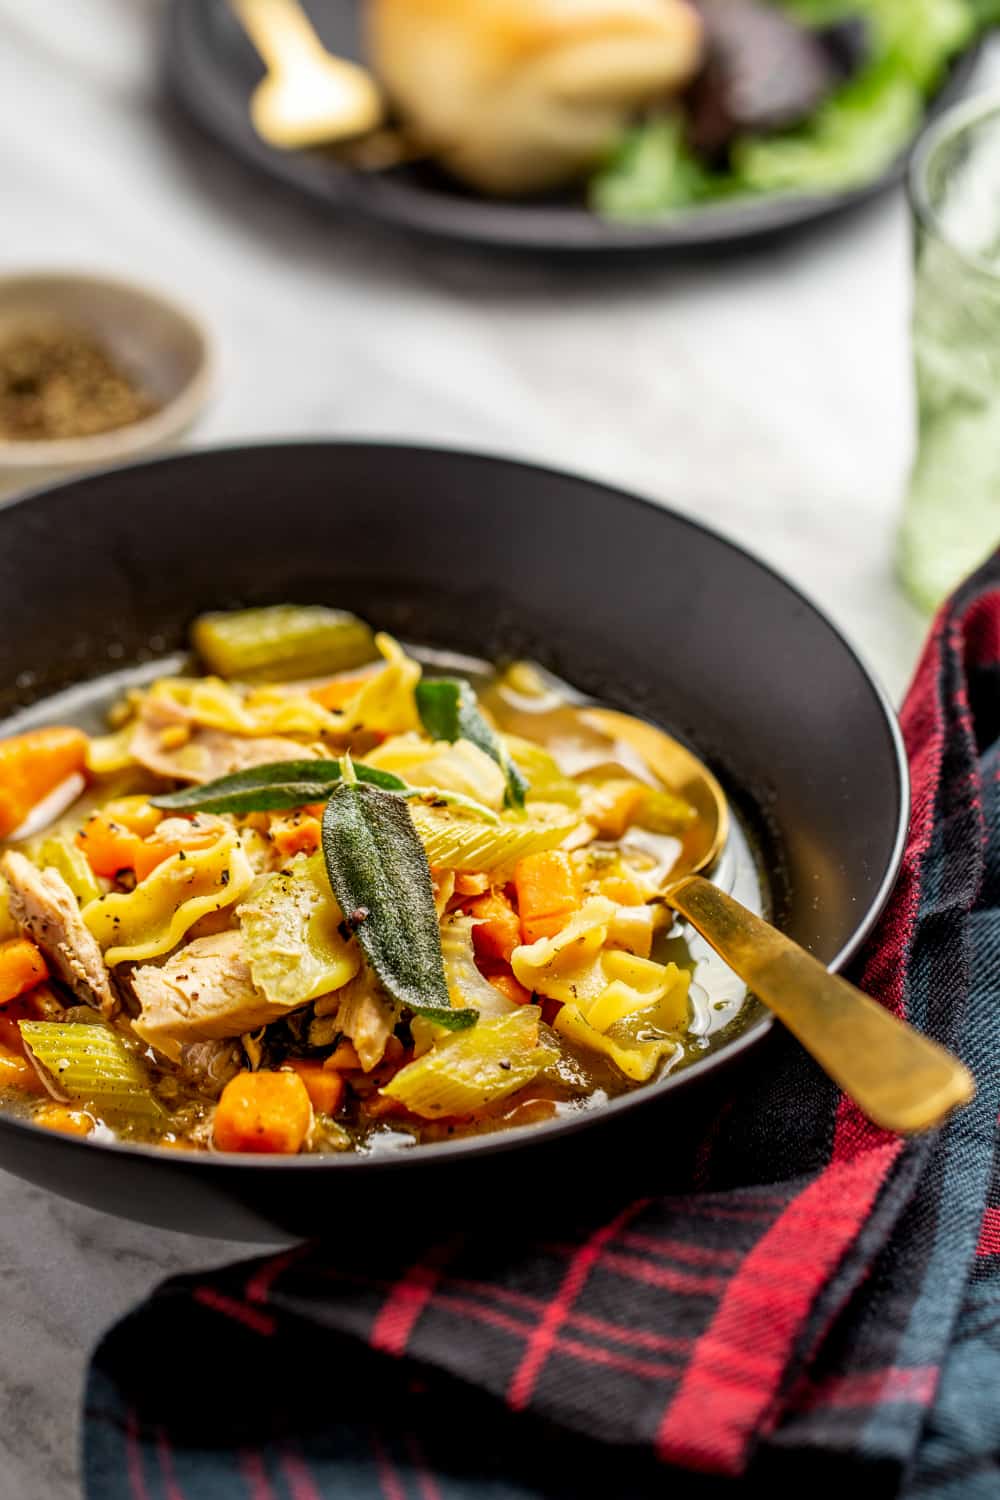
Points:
x=42 y=903
x=202 y=754
x=203 y=993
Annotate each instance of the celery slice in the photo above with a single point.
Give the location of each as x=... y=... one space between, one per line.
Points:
x=282 y=643
x=57 y=852
x=546 y=783
x=454 y=843
x=90 y=1064
x=474 y=1068
x=661 y=811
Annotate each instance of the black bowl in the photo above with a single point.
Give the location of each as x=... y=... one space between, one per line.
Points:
x=637 y=606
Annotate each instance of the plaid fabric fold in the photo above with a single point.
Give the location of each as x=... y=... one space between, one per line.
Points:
x=819 y=1301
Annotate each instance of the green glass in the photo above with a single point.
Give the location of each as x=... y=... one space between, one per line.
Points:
x=952 y=514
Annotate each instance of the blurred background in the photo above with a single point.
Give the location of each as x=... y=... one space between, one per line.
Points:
x=764 y=389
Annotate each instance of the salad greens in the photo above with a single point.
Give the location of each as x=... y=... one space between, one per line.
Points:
x=852 y=137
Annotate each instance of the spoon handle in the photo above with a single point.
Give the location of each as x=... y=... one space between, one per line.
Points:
x=280 y=30
x=898 y=1077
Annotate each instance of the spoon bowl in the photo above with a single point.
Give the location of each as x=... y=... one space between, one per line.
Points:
x=674 y=765
x=901 y=1080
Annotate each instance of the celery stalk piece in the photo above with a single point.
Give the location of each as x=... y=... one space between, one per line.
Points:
x=662 y=811
x=546 y=783
x=472 y=1069
x=91 y=1065
x=456 y=843
x=282 y=643
x=58 y=852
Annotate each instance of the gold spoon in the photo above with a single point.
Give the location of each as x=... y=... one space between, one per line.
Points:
x=897 y=1076
x=309 y=97
x=900 y=1079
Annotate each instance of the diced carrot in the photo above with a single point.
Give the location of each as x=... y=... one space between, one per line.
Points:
x=32 y=765
x=343 y=1058
x=110 y=846
x=11 y=1016
x=324 y=1086
x=547 y=893
x=21 y=968
x=509 y=986
x=340 y=690
x=150 y=856
x=196 y=833
x=468 y=884
x=137 y=814
x=298 y=834
x=612 y=804
x=64 y=1119
x=18 y=1073
x=264 y=1112
x=497 y=931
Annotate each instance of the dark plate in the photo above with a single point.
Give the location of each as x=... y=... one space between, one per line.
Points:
x=635 y=605
x=212 y=69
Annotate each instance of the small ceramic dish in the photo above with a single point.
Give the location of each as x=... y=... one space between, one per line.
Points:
x=166 y=348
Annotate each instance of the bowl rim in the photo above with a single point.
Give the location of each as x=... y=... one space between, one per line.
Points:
x=116 y=447
x=516 y=1137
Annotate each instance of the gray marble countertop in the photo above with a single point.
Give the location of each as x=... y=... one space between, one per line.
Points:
x=768 y=395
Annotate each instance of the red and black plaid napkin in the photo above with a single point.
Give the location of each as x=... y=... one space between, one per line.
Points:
x=820 y=1304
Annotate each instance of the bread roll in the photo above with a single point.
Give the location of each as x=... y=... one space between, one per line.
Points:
x=517 y=96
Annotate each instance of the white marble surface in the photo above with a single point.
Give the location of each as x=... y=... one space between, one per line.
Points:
x=768 y=395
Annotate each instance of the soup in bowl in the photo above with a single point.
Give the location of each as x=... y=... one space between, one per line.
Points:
x=308 y=893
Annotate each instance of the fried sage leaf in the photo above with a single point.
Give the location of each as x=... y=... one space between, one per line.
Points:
x=449 y=711
x=273 y=788
x=379 y=874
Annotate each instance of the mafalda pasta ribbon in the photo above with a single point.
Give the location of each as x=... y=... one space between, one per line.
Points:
x=151 y=920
